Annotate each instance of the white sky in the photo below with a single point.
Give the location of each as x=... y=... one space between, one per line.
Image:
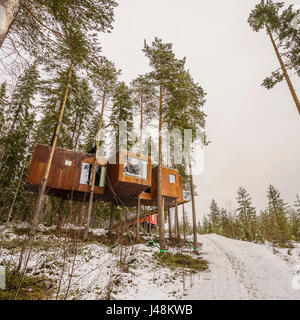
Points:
x=254 y=132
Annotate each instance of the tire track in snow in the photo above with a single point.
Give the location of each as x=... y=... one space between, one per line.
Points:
x=241 y=270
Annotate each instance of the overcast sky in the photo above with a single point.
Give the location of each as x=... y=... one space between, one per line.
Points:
x=254 y=132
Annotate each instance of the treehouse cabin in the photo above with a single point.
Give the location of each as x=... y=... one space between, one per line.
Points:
x=70 y=173
x=120 y=179
x=128 y=175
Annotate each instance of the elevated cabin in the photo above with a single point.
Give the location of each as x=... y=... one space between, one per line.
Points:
x=70 y=173
x=128 y=175
x=171 y=187
x=119 y=179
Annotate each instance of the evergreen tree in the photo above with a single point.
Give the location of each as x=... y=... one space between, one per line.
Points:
x=3 y=106
x=284 y=37
x=16 y=139
x=166 y=68
x=22 y=98
x=144 y=98
x=277 y=214
x=121 y=110
x=246 y=215
x=215 y=217
x=294 y=219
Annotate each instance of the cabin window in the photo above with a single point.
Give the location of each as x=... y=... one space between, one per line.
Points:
x=100 y=176
x=135 y=167
x=68 y=163
x=172 y=178
x=87 y=172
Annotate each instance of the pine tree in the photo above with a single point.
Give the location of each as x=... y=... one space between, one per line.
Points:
x=34 y=26
x=246 y=215
x=277 y=212
x=3 y=106
x=166 y=69
x=22 y=98
x=16 y=139
x=215 y=217
x=105 y=76
x=294 y=219
x=284 y=38
x=121 y=110
x=144 y=98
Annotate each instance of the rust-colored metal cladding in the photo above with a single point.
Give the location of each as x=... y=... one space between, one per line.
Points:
x=128 y=175
x=120 y=179
x=70 y=173
x=180 y=199
x=170 y=187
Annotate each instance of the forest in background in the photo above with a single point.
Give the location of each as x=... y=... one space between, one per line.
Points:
x=47 y=39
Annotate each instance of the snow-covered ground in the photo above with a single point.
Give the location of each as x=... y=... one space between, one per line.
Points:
x=237 y=269
x=245 y=270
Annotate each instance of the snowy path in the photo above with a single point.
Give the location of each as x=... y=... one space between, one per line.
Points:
x=241 y=270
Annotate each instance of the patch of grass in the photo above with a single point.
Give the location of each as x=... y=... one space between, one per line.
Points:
x=32 y=288
x=17 y=244
x=19 y=231
x=179 y=260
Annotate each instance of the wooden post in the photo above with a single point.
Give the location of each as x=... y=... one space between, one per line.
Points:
x=112 y=208
x=150 y=225
x=138 y=219
x=170 y=223
x=177 y=221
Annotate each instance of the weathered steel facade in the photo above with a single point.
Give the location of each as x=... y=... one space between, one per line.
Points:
x=120 y=179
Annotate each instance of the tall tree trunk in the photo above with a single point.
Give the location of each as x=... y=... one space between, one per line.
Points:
x=169 y=223
x=87 y=226
x=138 y=219
x=60 y=214
x=16 y=192
x=193 y=202
x=159 y=177
x=141 y=126
x=112 y=208
x=177 y=221
x=184 y=222
x=8 y=12
x=42 y=188
x=287 y=78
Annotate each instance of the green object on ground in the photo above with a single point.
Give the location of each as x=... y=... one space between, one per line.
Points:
x=158 y=246
x=192 y=246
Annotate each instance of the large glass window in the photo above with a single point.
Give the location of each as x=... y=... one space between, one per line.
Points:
x=87 y=172
x=135 y=167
